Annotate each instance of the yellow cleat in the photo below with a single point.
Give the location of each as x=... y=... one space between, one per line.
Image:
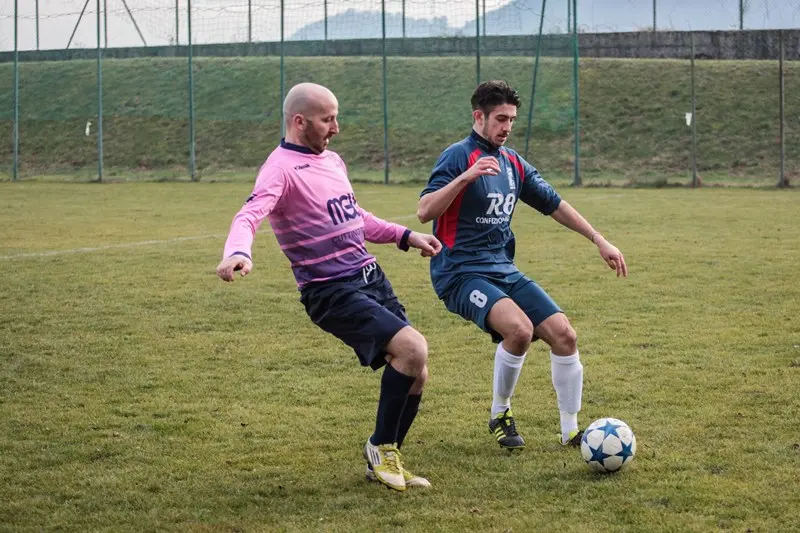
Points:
x=384 y=460
x=412 y=480
x=574 y=438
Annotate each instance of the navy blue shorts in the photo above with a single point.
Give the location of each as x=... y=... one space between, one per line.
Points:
x=361 y=310
x=473 y=296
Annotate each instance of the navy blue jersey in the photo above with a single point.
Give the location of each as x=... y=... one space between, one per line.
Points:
x=475 y=230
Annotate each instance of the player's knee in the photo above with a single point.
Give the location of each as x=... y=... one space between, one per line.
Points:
x=418 y=353
x=422 y=377
x=566 y=341
x=419 y=382
x=519 y=335
x=413 y=351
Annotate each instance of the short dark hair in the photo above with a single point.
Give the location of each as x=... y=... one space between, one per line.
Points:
x=493 y=93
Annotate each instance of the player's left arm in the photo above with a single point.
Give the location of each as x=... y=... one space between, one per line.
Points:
x=568 y=216
x=380 y=231
x=540 y=195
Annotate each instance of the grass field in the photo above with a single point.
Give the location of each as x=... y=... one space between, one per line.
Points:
x=632 y=121
x=140 y=393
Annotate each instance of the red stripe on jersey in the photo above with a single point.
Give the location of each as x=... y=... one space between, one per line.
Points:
x=516 y=162
x=447 y=223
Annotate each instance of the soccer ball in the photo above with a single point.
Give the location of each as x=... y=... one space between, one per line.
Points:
x=608 y=445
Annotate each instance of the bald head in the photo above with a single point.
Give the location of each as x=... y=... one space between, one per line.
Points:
x=310 y=112
x=307 y=99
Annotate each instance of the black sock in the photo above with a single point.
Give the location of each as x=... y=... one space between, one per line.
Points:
x=407 y=418
x=394 y=392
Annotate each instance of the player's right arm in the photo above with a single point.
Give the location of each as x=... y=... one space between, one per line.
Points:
x=448 y=178
x=237 y=256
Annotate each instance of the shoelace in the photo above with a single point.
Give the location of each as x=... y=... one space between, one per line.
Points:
x=393 y=460
x=510 y=427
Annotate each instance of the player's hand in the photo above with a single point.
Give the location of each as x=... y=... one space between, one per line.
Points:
x=428 y=245
x=485 y=166
x=231 y=264
x=613 y=257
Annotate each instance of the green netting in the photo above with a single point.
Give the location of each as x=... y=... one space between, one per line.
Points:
x=632 y=111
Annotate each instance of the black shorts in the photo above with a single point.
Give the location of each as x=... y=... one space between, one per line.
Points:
x=360 y=310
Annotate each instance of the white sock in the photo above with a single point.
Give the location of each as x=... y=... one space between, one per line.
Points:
x=568 y=381
x=507 y=367
x=569 y=422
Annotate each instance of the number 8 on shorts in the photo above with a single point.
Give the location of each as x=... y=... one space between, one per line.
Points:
x=478 y=298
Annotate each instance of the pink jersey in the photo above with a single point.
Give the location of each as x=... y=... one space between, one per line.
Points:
x=313 y=213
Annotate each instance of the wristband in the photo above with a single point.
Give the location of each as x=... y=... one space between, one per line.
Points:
x=403 y=244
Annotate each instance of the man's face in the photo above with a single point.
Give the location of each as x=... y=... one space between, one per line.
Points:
x=318 y=127
x=497 y=127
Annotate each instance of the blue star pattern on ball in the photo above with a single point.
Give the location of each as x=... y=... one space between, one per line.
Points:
x=598 y=455
x=626 y=452
x=609 y=428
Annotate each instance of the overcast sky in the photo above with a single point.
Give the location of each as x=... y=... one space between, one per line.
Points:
x=216 y=21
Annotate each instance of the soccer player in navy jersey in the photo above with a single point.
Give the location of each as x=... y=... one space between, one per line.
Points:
x=470 y=197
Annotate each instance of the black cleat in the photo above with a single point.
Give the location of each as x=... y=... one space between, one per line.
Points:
x=504 y=429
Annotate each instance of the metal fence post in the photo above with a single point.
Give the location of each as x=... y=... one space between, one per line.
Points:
x=782 y=181
x=404 y=18
x=741 y=14
x=37 y=24
x=694 y=118
x=75 y=29
x=192 y=158
x=535 y=73
x=654 y=15
x=477 y=42
x=99 y=100
x=385 y=97
x=15 y=163
x=283 y=72
x=177 y=23
x=484 y=17
x=576 y=93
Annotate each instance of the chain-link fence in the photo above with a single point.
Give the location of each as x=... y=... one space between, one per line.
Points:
x=704 y=121
x=59 y=24
x=403 y=71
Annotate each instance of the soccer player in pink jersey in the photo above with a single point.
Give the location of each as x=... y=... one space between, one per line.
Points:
x=304 y=190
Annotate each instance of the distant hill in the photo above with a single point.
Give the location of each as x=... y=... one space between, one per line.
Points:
x=367 y=25
x=521 y=17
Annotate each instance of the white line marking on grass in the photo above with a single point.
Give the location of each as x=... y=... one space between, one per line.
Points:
x=87 y=250
x=92 y=249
